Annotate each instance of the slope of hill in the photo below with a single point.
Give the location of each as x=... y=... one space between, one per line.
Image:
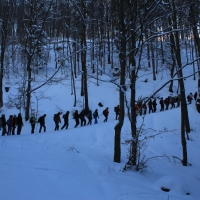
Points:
x=78 y=163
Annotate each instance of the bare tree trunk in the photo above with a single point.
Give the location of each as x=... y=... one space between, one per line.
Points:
x=122 y=58
x=84 y=88
x=184 y=111
x=4 y=34
x=153 y=61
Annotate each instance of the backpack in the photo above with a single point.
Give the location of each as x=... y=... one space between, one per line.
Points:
x=64 y=116
x=104 y=112
x=115 y=109
x=9 y=122
x=54 y=117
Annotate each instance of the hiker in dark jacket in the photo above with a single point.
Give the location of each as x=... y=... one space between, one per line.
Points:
x=57 y=120
x=161 y=104
x=105 y=113
x=82 y=118
x=154 y=105
x=95 y=115
x=33 y=122
x=19 y=123
x=10 y=124
x=3 y=122
x=117 y=112
x=166 y=101
x=66 y=120
x=76 y=117
x=190 y=98
x=178 y=100
x=89 y=116
x=41 y=120
x=14 y=124
x=150 y=105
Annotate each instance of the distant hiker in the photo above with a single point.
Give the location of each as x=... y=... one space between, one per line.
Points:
x=150 y=105
x=117 y=112
x=14 y=124
x=66 y=120
x=3 y=120
x=161 y=104
x=10 y=124
x=105 y=113
x=154 y=104
x=82 y=117
x=190 y=98
x=57 y=120
x=137 y=108
x=33 y=121
x=76 y=117
x=95 y=115
x=144 y=108
x=195 y=96
x=178 y=100
x=166 y=101
x=41 y=120
x=19 y=123
x=89 y=116
x=172 y=102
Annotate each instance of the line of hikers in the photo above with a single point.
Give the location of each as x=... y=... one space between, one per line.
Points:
x=8 y=126
x=80 y=118
x=170 y=101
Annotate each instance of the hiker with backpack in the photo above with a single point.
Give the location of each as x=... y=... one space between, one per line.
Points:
x=105 y=113
x=19 y=124
x=33 y=122
x=190 y=98
x=66 y=120
x=10 y=124
x=117 y=112
x=41 y=120
x=57 y=120
x=82 y=117
x=154 y=104
x=166 y=101
x=14 y=124
x=3 y=122
x=76 y=117
x=150 y=105
x=89 y=116
x=161 y=104
x=95 y=115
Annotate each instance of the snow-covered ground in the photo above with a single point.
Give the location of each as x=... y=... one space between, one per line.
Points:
x=78 y=163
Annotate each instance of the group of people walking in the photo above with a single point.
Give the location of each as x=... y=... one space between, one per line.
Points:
x=79 y=117
x=165 y=104
x=9 y=125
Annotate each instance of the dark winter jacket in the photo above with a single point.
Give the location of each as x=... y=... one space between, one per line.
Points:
x=3 y=119
x=41 y=119
x=19 y=120
x=66 y=116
